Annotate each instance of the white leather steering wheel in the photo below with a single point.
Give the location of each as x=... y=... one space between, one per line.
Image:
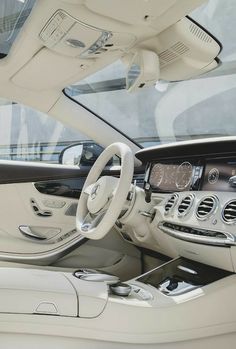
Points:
x=102 y=200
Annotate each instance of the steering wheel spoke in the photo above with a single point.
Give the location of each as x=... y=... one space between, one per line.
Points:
x=92 y=220
x=88 y=189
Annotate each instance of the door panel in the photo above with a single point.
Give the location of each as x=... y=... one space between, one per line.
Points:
x=34 y=226
x=22 y=205
x=37 y=223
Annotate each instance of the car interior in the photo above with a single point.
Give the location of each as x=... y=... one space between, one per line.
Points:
x=118 y=186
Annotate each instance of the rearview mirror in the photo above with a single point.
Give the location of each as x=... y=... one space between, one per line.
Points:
x=143 y=70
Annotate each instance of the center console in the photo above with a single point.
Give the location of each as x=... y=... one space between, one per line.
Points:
x=169 y=298
x=86 y=292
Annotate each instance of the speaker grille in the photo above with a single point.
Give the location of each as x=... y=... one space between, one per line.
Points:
x=173 y=53
x=199 y=33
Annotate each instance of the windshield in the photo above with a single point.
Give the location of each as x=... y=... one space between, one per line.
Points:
x=198 y=108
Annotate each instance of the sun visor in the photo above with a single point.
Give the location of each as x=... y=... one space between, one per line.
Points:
x=47 y=70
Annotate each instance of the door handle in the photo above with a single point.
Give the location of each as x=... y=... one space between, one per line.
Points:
x=27 y=231
x=39 y=233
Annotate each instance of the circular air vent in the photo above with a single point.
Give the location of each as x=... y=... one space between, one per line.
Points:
x=185 y=205
x=171 y=203
x=229 y=212
x=206 y=207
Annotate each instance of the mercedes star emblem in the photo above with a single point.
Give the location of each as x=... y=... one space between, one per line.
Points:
x=94 y=191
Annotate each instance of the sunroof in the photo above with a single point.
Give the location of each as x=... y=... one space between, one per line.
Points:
x=13 y=14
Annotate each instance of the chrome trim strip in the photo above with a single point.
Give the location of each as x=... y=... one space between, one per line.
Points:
x=228 y=241
x=187 y=270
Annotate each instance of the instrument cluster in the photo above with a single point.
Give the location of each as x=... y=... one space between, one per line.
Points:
x=174 y=176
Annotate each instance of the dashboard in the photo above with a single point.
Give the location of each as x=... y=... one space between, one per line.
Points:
x=192 y=189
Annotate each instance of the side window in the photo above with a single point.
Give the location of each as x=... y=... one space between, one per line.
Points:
x=29 y=135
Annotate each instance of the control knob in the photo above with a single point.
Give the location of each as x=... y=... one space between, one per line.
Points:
x=121 y=289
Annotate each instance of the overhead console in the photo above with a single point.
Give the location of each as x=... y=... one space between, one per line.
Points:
x=194 y=184
x=69 y=36
x=75 y=39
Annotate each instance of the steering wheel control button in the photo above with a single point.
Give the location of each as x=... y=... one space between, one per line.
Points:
x=121 y=289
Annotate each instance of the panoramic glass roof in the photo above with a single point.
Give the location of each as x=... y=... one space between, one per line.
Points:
x=13 y=14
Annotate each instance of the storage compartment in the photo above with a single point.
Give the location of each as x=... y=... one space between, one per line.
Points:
x=182 y=275
x=29 y=291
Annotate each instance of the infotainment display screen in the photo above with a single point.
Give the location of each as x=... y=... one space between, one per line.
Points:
x=220 y=175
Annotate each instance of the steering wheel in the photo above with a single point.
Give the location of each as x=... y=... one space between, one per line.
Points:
x=102 y=199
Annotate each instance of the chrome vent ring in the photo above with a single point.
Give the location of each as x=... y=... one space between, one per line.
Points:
x=185 y=205
x=171 y=203
x=206 y=207
x=229 y=212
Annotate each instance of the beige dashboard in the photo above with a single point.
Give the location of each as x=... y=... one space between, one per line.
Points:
x=190 y=202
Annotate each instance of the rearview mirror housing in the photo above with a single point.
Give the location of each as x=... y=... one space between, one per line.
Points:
x=143 y=70
x=183 y=51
